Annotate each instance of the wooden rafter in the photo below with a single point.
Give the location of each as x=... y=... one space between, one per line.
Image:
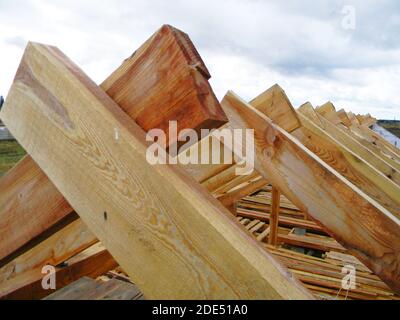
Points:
x=26 y=191
x=139 y=212
x=356 y=221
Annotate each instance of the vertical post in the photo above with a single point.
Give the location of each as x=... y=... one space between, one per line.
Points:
x=273 y=220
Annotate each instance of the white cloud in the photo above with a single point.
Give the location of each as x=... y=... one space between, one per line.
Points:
x=247 y=45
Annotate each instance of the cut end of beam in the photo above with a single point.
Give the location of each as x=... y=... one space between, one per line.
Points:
x=328 y=111
x=275 y=104
x=308 y=111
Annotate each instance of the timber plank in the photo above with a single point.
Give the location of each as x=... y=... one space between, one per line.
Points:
x=181 y=72
x=357 y=222
x=54 y=250
x=308 y=110
x=276 y=105
x=88 y=289
x=143 y=214
x=377 y=149
x=28 y=286
x=328 y=111
x=137 y=86
x=274 y=216
x=350 y=165
x=29 y=204
x=347 y=140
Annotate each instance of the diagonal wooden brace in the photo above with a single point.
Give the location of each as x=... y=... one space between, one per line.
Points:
x=165 y=79
x=156 y=216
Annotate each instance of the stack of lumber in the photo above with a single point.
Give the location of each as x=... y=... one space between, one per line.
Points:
x=321 y=271
x=325 y=189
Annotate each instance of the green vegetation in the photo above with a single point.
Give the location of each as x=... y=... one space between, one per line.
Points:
x=392 y=126
x=10 y=153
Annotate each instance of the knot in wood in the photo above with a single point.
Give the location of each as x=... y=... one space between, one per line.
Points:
x=270 y=135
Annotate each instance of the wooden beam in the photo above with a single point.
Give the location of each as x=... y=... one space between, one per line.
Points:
x=229 y=199
x=357 y=222
x=344 y=118
x=350 y=165
x=138 y=85
x=28 y=286
x=367 y=120
x=283 y=220
x=59 y=247
x=156 y=221
x=308 y=110
x=379 y=140
x=376 y=146
x=29 y=204
x=351 y=143
x=220 y=179
x=280 y=109
x=166 y=63
x=352 y=117
x=274 y=217
x=205 y=172
x=328 y=110
x=308 y=242
x=345 y=161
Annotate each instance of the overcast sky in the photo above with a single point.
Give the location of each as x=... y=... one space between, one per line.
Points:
x=315 y=50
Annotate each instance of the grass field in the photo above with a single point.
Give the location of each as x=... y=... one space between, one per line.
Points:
x=392 y=126
x=10 y=153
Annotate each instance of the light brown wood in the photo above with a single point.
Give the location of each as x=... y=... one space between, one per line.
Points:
x=166 y=63
x=356 y=221
x=380 y=141
x=279 y=109
x=348 y=163
x=352 y=118
x=344 y=118
x=376 y=146
x=344 y=160
x=344 y=137
x=156 y=221
x=328 y=111
x=229 y=199
x=366 y=120
x=30 y=203
x=311 y=242
x=308 y=110
x=59 y=247
x=29 y=285
x=274 y=217
x=263 y=234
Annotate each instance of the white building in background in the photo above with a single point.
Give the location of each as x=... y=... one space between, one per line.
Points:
x=5 y=134
x=387 y=135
